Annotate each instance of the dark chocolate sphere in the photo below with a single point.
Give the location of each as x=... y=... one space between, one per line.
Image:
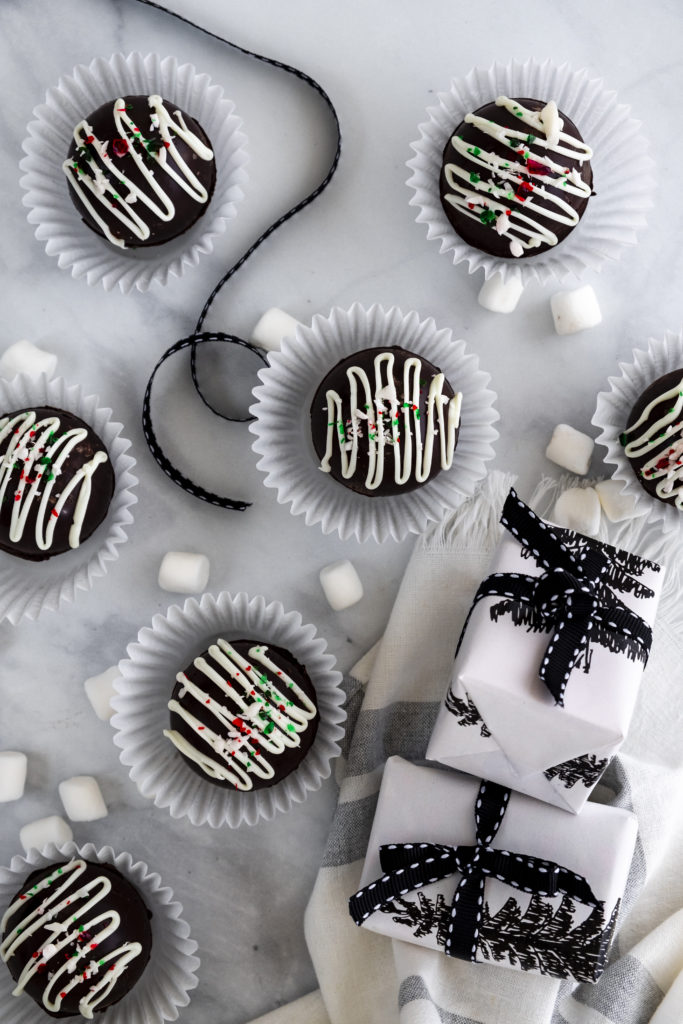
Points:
x=374 y=427
x=252 y=725
x=654 y=446
x=504 y=183
x=140 y=171
x=70 y=957
x=56 y=482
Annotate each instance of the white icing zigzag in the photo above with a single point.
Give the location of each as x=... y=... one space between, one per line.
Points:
x=664 y=438
x=258 y=718
x=507 y=201
x=64 y=911
x=42 y=453
x=389 y=423
x=97 y=193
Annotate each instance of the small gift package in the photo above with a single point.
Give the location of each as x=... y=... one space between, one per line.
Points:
x=548 y=666
x=487 y=875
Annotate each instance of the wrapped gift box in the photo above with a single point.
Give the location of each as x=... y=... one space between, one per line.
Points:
x=500 y=720
x=539 y=889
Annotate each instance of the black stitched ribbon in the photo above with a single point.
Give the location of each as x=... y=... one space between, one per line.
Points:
x=571 y=596
x=410 y=866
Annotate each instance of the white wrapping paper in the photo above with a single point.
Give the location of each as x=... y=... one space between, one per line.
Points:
x=429 y=805
x=662 y=356
x=144 y=690
x=614 y=214
x=28 y=588
x=283 y=432
x=171 y=972
x=506 y=726
x=59 y=225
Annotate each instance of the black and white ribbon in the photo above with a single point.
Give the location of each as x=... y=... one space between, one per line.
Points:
x=198 y=338
x=410 y=866
x=571 y=595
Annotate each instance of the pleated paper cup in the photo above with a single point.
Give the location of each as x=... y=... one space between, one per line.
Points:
x=622 y=168
x=169 y=976
x=28 y=588
x=57 y=221
x=613 y=408
x=147 y=678
x=283 y=432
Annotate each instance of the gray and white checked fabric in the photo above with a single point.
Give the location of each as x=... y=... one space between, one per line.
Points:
x=392 y=699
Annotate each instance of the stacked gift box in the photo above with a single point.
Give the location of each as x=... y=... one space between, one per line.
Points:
x=544 y=685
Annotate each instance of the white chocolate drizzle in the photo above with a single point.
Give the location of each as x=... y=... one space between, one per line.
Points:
x=508 y=200
x=388 y=423
x=63 y=907
x=42 y=454
x=663 y=439
x=255 y=719
x=98 y=193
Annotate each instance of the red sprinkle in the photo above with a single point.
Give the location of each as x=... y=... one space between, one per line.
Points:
x=120 y=147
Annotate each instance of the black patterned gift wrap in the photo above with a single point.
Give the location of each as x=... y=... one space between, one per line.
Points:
x=548 y=667
x=471 y=869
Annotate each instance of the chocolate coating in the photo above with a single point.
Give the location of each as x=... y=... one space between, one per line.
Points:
x=480 y=230
x=93 y=953
x=323 y=415
x=27 y=470
x=660 y=450
x=148 y=146
x=248 y=734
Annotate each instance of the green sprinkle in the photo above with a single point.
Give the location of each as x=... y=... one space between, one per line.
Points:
x=474 y=177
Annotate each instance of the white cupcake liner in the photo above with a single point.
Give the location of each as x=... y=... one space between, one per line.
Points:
x=622 y=168
x=170 y=974
x=144 y=690
x=283 y=433
x=58 y=222
x=28 y=588
x=611 y=415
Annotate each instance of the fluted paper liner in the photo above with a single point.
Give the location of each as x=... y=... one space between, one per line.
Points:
x=28 y=588
x=622 y=169
x=59 y=225
x=611 y=416
x=283 y=433
x=171 y=972
x=146 y=683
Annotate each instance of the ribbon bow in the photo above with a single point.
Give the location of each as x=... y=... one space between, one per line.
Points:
x=409 y=866
x=571 y=595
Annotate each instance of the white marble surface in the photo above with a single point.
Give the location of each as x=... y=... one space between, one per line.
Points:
x=244 y=891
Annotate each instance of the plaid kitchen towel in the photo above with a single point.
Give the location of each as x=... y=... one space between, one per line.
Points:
x=392 y=699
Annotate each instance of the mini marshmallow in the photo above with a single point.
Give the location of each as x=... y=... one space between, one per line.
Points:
x=570 y=449
x=100 y=690
x=82 y=798
x=273 y=326
x=12 y=775
x=38 y=834
x=578 y=508
x=183 y=572
x=25 y=357
x=576 y=310
x=501 y=296
x=616 y=505
x=341 y=584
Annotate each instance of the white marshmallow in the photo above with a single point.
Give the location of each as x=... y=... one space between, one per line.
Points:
x=576 y=310
x=12 y=775
x=501 y=296
x=578 y=508
x=38 y=834
x=273 y=326
x=341 y=584
x=82 y=798
x=570 y=449
x=100 y=690
x=616 y=505
x=25 y=357
x=183 y=572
